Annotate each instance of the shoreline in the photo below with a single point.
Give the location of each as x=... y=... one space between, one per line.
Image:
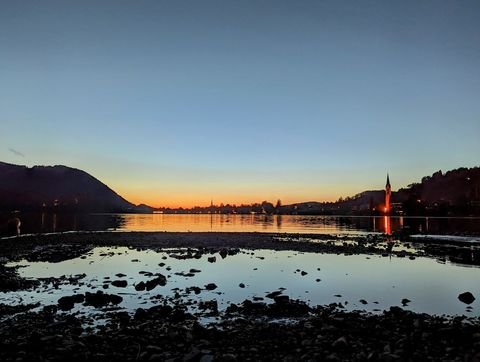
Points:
x=459 y=249
x=285 y=329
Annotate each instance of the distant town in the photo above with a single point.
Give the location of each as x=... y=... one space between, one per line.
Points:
x=65 y=189
x=455 y=192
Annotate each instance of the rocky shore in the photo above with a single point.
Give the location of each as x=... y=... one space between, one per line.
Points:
x=280 y=329
x=61 y=246
x=250 y=331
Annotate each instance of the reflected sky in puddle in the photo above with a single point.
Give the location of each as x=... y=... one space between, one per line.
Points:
x=431 y=286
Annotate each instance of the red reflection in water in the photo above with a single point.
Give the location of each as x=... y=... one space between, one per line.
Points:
x=388 y=225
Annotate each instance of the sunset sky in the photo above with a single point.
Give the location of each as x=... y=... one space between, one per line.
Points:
x=175 y=103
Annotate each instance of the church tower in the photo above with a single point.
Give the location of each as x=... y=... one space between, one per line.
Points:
x=388 y=193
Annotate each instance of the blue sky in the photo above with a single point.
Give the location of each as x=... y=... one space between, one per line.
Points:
x=177 y=102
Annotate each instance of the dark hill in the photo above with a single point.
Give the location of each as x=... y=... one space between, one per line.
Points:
x=455 y=187
x=456 y=192
x=60 y=187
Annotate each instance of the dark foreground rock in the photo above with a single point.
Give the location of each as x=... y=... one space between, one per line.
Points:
x=101 y=299
x=466 y=298
x=68 y=302
x=283 y=329
x=169 y=333
x=11 y=281
x=120 y=283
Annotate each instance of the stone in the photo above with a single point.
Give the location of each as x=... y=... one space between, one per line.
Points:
x=229 y=357
x=120 y=283
x=153 y=283
x=208 y=304
x=281 y=299
x=140 y=286
x=206 y=358
x=100 y=299
x=68 y=302
x=210 y=286
x=274 y=294
x=156 y=357
x=194 y=289
x=340 y=343
x=466 y=298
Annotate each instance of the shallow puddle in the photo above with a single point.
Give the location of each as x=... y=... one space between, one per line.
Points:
x=366 y=282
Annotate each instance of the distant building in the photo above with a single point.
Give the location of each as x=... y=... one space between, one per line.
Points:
x=397 y=207
x=388 y=194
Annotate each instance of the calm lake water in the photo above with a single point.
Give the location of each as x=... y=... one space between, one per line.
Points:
x=379 y=281
x=34 y=223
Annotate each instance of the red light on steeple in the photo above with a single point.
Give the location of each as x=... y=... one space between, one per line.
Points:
x=388 y=193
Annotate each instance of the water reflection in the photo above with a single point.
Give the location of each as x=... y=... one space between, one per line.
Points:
x=279 y=222
x=387 y=225
x=329 y=278
x=46 y=222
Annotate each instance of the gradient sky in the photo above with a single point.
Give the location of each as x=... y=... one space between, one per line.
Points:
x=176 y=102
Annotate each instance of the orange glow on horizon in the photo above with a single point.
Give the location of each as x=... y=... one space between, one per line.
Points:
x=190 y=201
x=188 y=195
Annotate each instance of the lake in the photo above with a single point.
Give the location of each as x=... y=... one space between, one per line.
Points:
x=366 y=282
x=36 y=223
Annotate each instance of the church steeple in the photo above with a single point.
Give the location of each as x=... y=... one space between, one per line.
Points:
x=388 y=193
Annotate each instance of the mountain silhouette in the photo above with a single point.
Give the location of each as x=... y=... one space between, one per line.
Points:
x=456 y=192
x=56 y=187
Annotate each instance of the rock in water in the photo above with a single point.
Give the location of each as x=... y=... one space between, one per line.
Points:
x=140 y=286
x=274 y=294
x=120 y=283
x=159 y=280
x=466 y=298
x=208 y=304
x=100 y=299
x=67 y=302
x=211 y=286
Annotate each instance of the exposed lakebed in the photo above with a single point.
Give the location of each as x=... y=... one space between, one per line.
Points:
x=355 y=282
x=153 y=297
